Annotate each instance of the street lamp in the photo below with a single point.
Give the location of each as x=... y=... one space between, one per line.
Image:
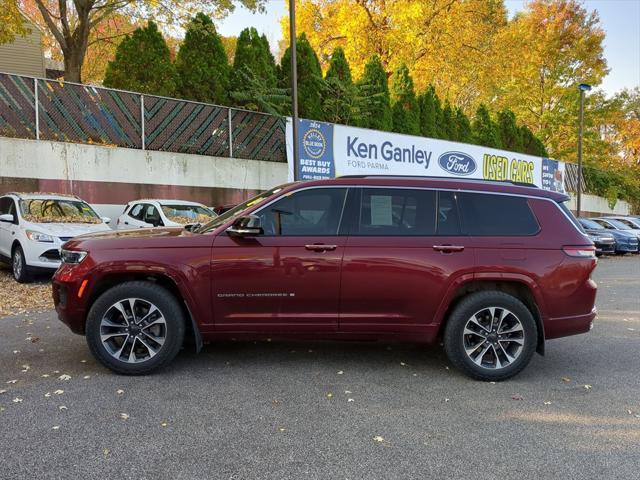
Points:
x=294 y=85
x=583 y=87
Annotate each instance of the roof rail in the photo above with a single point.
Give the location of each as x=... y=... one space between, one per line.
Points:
x=479 y=180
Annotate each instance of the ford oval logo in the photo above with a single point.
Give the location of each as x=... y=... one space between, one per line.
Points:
x=457 y=163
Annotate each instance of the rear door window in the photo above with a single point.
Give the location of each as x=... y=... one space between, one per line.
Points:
x=397 y=212
x=486 y=214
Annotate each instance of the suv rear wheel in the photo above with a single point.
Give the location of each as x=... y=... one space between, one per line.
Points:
x=135 y=327
x=490 y=335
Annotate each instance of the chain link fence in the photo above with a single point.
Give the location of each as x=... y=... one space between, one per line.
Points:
x=35 y=108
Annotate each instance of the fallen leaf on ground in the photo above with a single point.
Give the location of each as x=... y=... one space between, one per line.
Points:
x=12 y=381
x=62 y=407
x=547 y=403
x=45 y=375
x=64 y=376
x=47 y=395
x=59 y=392
x=588 y=387
x=378 y=438
x=282 y=429
x=329 y=395
x=516 y=397
x=340 y=372
x=119 y=391
x=350 y=400
x=403 y=364
x=17 y=400
x=86 y=377
x=2 y=391
x=164 y=424
x=55 y=427
x=566 y=379
x=124 y=416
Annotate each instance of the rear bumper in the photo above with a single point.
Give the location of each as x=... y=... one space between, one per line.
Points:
x=566 y=326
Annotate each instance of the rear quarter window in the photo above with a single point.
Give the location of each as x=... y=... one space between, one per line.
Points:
x=486 y=214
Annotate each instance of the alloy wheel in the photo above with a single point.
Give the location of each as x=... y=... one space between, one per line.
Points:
x=133 y=330
x=17 y=264
x=493 y=338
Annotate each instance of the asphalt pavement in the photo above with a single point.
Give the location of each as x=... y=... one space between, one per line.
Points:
x=273 y=410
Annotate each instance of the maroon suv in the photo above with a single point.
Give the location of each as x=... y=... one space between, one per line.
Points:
x=490 y=269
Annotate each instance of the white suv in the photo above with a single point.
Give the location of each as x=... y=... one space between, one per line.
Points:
x=34 y=226
x=163 y=213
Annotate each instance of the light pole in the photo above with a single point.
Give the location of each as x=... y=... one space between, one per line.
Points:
x=583 y=88
x=294 y=85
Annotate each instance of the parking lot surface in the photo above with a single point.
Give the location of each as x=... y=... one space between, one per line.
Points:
x=326 y=410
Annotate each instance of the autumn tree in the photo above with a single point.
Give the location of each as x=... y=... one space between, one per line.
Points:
x=256 y=94
x=253 y=58
x=448 y=43
x=142 y=64
x=202 y=65
x=70 y=25
x=485 y=131
x=405 y=110
x=546 y=51
x=11 y=21
x=310 y=81
x=373 y=85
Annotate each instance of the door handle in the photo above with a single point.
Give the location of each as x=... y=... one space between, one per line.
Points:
x=448 y=248
x=316 y=247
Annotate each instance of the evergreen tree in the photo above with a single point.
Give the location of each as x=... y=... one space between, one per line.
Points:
x=340 y=100
x=257 y=94
x=253 y=54
x=376 y=110
x=510 y=134
x=463 y=127
x=142 y=64
x=532 y=144
x=485 y=131
x=449 y=127
x=202 y=63
x=310 y=81
x=430 y=111
x=406 y=113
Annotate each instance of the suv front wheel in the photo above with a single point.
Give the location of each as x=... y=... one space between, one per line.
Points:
x=135 y=327
x=490 y=335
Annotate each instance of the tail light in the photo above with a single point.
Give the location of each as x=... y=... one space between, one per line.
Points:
x=580 y=252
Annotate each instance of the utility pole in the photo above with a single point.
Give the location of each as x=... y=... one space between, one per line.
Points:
x=583 y=88
x=294 y=86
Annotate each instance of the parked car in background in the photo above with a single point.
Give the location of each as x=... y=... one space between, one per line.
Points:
x=490 y=269
x=163 y=213
x=631 y=222
x=604 y=241
x=626 y=241
x=613 y=224
x=34 y=226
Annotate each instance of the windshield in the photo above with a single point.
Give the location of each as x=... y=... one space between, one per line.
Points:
x=590 y=224
x=185 y=214
x=57 y=210
x=239 y=209
x=618 y=224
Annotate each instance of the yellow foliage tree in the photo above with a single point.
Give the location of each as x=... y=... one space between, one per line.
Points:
x=447 y=43
x=11 y=21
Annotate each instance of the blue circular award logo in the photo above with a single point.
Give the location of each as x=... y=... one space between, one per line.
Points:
x=314 y=143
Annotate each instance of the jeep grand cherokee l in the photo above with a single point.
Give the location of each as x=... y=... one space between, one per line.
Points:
x=492 y=270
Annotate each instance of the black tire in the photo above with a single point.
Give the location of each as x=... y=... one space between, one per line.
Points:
x=19 y=266
x=454 y=337
x=146 y=292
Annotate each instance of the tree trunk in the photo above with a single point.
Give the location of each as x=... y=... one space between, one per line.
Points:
x=73 y=59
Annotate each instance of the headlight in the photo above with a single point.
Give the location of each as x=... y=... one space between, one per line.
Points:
x=72 y=256
x=39 y=237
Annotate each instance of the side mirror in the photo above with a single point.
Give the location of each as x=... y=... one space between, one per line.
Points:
x=6 y=217
x=106 y=220
x=249 y=226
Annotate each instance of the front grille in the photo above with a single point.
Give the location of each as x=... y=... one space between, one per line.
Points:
x=52 y=255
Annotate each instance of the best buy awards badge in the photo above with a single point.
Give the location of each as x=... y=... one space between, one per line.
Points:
x=316 y=150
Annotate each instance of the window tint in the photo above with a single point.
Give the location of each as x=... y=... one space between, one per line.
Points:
x=606 y=225
x=578 y=223
x=308 y=212
x=497 y=215
x=152 y=215
x=448 y=221
x=397 y=212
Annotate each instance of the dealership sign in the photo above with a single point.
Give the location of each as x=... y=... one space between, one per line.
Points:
x=326 y=150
